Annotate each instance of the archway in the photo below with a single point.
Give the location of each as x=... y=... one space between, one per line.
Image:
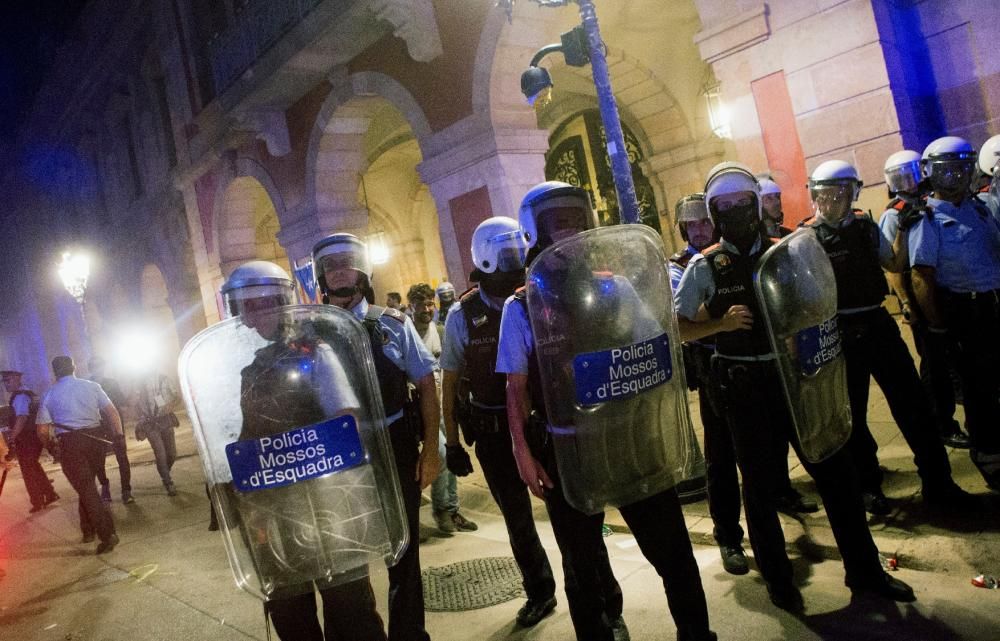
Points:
x=248 y=226
x=363 y=173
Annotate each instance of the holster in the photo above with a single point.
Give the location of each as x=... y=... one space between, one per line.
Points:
x=412 y=416
x=480 y=422
x=536 y=435
x=729 y=379
x=698 y=366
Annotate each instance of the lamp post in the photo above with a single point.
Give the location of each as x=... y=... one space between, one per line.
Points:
x=74 y=270
x=580 y=46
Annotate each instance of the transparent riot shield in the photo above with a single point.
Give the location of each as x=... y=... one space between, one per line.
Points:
x=606 y=338
x=289 y=423
x=797 y=292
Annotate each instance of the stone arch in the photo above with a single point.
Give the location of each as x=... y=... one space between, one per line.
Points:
x=335 y=155
x=361 y=175
x=249 y=210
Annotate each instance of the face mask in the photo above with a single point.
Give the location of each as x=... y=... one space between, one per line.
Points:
x=740 y=225
x=501 y=284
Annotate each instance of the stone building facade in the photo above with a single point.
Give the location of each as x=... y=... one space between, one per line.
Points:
x=175 y=139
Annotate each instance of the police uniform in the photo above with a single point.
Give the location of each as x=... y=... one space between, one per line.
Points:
x=759 y=419
x=720 y=460
x=936 y=352
x=73 y=405
x=656 y=522
x=873 y=347
x=402 y=357
x=962 y=244
x=29 y=447
x=470 y=346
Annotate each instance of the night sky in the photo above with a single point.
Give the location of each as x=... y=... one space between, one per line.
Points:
x=30 y=31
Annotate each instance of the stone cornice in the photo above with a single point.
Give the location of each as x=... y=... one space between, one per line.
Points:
x=725 y=38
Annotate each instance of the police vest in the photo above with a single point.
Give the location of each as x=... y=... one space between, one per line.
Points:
x=482 y=323
x=271 y=400
x=534 y=369
x=853 y=252
x=732 y=274
x=391 y=379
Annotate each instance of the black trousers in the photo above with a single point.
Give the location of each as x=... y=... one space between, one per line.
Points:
x=406 y=588
x=720 y=474
x=124 y=467
x=974 y=325
x=36 y=482
x=937 y=354
x=495 y=454
x=874 y=347
x=349 y=614
x=82 y=452
x=757 y=413
x=594 y=595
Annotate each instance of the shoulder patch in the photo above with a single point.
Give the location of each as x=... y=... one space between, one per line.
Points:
x=468 y=294
x=721 y=260
x=394 y=314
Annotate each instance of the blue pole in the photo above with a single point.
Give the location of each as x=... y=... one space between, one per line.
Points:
x=620 y=167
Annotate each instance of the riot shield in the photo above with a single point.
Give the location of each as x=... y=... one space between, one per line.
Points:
x=607 y=343
x=289 y=423
x=797 y=292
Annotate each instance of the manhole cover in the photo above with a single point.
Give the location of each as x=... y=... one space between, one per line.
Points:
x=473 y=584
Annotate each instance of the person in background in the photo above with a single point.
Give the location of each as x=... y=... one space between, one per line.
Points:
x=114 y=391
x=155 y=401
x=25 y=442
x=444 y=490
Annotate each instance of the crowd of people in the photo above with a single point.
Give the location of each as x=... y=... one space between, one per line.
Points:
x=472 y=363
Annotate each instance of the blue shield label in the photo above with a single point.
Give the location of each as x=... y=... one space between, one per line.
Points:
x=622 y=372
x=818 y=345
x=296 y=455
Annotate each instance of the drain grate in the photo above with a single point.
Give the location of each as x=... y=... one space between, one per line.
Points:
x=473 y=584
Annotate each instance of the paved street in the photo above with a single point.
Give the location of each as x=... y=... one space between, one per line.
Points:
x=169 y=579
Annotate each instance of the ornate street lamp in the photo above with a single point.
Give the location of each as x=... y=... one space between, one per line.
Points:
x=580 y=46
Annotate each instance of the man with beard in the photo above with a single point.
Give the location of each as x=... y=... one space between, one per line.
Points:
x=343 y=273
x=955 y=259
x=716 y=296
x=770 y=198
x=470 y=352
x=872 y=344
x=444 y=490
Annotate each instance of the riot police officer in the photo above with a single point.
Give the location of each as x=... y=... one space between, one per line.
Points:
x=955 y=259
x=550 y=212
x=349 y=610
x=469 y=355
x=872 y=344
x=343 y=273
x=908 y=205
x=720 y=463
x=716 y=296
x=774 y=216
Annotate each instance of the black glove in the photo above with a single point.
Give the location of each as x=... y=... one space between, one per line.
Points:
x=910 y=216
x=458 y=461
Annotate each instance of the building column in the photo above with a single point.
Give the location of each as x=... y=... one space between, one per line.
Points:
x=475 y=172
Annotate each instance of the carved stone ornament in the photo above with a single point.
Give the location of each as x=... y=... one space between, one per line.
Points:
x=414 y=22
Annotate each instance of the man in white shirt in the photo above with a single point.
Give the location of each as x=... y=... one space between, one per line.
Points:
x=76 y=408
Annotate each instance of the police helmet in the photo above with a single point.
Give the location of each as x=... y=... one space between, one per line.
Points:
x=551 y=195
x=729 y=178
x=445 y=292
x=949 y=163
x=902 y=172
x=989 y=156
x=338 y=251
x=768 y=186
x=256 y=279
x=497 y=244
